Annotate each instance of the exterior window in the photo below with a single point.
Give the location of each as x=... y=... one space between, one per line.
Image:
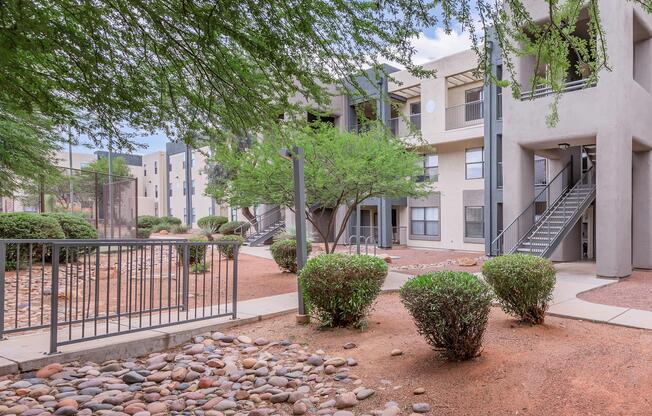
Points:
x=155 y=168
x=185 y=215
x=415 y=115
x=145 y=193
x=144 y=170
x=210 y=210
x=431 y=167
x=194 y=214
x=183 y=164
x=475 y=163
x=499 y=161
x=473 y=104
x=193 y=187
x=84 y=165
x=234 y=214
x=155 y=191
x=169 y=167
x=499 y=93
x=170 y=190
x=184 y=188
x=474 y=222
x=424 y=221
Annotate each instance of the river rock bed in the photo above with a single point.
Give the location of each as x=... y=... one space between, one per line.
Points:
x=215 y=374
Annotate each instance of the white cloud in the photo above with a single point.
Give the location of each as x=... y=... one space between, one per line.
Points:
x=443 y=44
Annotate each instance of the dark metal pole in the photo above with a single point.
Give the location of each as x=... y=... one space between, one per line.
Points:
x=188 y=187
x=300 y=216
x=358 y=214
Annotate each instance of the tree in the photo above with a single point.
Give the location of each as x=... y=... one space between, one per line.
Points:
x=342 y=169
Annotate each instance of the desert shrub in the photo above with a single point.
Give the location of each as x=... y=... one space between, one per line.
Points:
x=228 y=250
x=211 y=223
x=178 y=229
x=142 y=232
x=522 y=283
x=451 y=310
x=196 y=252
x=74 y=226
x=284 y=253
x=160 y=227
x=339 y=289
x=232 y=227
x=148 y=221
x=170 y=220
x=26 y=225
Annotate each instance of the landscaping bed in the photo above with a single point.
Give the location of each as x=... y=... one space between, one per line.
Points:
x=634 y=291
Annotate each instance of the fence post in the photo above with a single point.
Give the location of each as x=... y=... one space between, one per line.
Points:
x=3 y=254
x=54 y=299
x=186 y=275
x=236 y=250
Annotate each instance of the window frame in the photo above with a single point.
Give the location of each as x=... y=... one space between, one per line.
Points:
x=467 y=222
x=425 y=221
x=467 y=163
x=425 y=177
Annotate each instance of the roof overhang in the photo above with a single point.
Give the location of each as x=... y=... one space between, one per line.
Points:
x=462 y=78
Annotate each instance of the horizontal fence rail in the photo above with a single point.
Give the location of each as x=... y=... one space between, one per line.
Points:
x=89 y=289
x=464 y=115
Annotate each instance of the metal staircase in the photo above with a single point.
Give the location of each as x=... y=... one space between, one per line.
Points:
x=263 y=227
x=540 y=234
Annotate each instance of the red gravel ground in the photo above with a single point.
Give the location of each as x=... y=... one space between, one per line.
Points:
x=565 y=367
x=634 y=291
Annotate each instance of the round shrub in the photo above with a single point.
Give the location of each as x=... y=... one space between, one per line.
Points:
x=522 y=283
x=148 y=221
x=228 y=250
x=160 y=227
x=284 y=253
x=74 y=226
x=232 y=227
x=170 y=220
x=212 y=223
x=143 y=232
x=339 y=289
x=27 y=225
x=178 y=229
x=451 y=310
x=196 y=252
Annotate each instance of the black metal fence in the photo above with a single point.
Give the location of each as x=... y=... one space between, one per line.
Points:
x=89 y=289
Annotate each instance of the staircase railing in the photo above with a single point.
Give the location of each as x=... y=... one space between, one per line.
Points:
x=511 y=236
x=260 y=222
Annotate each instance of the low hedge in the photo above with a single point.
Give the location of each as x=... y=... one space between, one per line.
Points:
x=148 y=221
x=212 y=223
x=284 y=253
x=232 y=226
x=522 y=283
x=340 y=289
x=143 y=232
x=450 y=310
x=228 y=250
x=28 y=225
x=196 y=252
x=170 y=220
x=74 y=226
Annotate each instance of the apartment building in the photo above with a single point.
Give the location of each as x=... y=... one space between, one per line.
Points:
x=599 y=182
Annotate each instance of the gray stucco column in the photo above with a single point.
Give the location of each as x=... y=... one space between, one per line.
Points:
x=614 y=202
x=518 y=191
x=642 y=210
x=385 y=237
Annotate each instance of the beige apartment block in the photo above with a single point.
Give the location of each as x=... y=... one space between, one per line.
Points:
x=606 y=127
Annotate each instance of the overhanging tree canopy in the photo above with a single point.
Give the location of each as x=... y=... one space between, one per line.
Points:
x=341 y=170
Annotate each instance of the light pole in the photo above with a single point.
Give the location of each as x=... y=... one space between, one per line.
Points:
x=296 y=155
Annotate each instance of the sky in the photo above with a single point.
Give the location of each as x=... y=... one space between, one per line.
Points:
x=433 y=43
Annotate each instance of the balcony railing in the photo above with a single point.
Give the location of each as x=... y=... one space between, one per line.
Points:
x=544 y=90
x=464 y=115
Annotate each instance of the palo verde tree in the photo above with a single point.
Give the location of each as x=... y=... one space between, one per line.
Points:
x=341 y=170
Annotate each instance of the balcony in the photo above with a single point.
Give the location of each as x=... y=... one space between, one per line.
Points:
x=544 y=90
x=465 y=115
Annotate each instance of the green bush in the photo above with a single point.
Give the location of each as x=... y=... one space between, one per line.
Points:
x=148 y=221
x=451 y=310
x=196 y=252
x=211 y=223
x=170 y=220
x=284 y=253
x=160 y=227
x=522 y=283
x=178 y=229
x=74 y=226
x=232 y=226
x=26 y=225
x=227 y=250
x=340 y=289
x=143 y=232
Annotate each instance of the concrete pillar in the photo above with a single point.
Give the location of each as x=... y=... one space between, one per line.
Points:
x=518 y=189
x=642 y=210
x=385 y=237
x=614 y=202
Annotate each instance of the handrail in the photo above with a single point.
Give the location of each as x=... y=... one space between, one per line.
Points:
x=568 y=168
x=252 y=224
x=543 y=90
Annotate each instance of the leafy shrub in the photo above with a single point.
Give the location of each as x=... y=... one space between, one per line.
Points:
x=160 y=227
x=170 y=220
x=212 y=223
x=26 y=225
x=74 y=226
x=523 y=284
x=196 y=252
x=451 y=310
x=148 y=221
x=232 y=227
x=227 y=250
x=284 y=253
x=178 y=229
x=143 y=232
x=339 y=289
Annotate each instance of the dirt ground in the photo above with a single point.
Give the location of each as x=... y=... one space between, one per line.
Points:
x=634 y=291
x=565 y=367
